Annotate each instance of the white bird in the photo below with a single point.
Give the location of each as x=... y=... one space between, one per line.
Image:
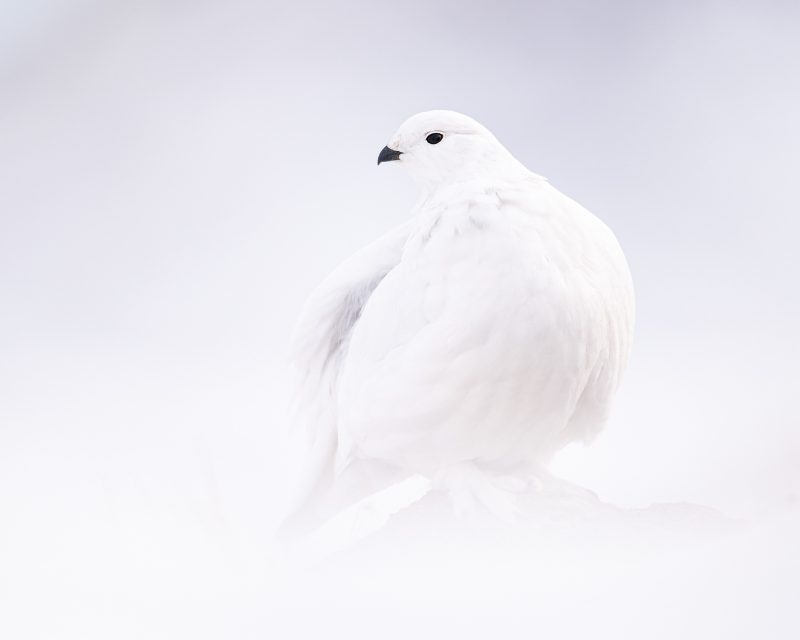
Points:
x=467 y=345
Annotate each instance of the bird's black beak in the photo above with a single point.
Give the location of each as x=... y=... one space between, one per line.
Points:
x=387 y=155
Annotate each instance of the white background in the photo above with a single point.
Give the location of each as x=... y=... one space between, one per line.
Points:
x=176 y=177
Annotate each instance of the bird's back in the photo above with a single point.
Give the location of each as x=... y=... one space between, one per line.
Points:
x=501 y=333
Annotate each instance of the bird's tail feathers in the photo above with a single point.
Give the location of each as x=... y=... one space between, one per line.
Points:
x=328 y=491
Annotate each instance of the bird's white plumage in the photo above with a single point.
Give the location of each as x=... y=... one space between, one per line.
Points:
x=489 y=330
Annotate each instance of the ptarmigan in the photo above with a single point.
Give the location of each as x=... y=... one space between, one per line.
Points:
x=470 y=343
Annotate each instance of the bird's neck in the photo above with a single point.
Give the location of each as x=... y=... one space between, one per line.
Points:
x=486 y=174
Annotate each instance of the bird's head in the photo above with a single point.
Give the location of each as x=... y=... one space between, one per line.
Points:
x=445 y=147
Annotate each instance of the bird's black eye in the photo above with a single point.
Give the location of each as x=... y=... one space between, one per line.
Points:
x=434 y=138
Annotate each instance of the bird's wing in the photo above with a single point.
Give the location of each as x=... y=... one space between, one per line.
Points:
x=327 y=319
x=319 y=342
